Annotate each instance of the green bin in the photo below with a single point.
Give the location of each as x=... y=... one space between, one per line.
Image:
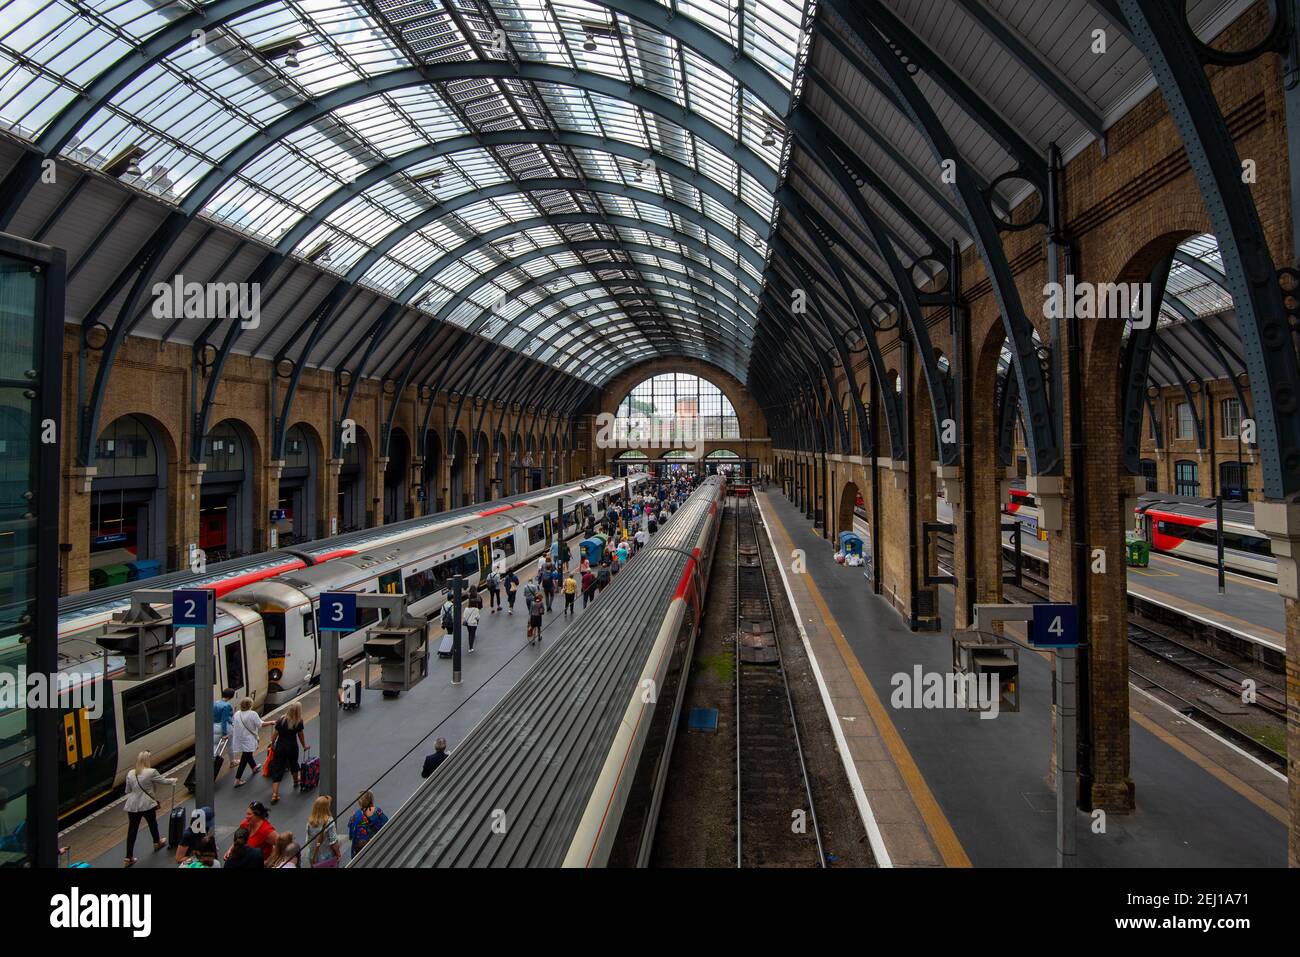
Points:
x=116 y=574
x=1139 y=553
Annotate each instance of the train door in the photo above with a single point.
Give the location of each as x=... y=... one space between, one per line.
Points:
x=311 y=639
x=88 y=762
x=546 y=527
x=231 y=668
x=484 y=558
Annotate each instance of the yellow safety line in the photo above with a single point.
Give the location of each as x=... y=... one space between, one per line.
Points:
x=1270 y=807
x=941 y=832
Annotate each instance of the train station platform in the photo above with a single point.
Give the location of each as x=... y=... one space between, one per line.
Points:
x=382 y=745
x=945 y=788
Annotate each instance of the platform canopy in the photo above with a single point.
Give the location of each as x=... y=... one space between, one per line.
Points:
x=588 y=184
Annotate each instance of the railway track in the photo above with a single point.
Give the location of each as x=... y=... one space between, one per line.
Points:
x=776 y=822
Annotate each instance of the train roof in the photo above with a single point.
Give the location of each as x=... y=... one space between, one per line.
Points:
x=1240 y=512
x=538 y=754
x=230 y=575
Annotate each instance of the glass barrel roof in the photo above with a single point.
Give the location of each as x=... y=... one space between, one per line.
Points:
x=395 y=142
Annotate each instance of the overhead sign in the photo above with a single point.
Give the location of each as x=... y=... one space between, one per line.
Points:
x=194 y=607
x=1054 y=626
x=338 y=611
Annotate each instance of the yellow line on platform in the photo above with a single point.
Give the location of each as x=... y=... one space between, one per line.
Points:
x=941 y=832
x=1272 y=808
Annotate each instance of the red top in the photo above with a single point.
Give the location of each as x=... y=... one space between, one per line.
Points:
x=261 y=836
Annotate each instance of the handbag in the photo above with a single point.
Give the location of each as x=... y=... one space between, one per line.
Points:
x=270 y=756
x=329 y=862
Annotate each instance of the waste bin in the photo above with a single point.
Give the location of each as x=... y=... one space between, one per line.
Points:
x=115 y=574
x=850 y=544
x=1139 y=553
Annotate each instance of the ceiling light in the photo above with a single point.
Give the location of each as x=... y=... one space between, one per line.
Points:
x=125 y=163
x=291 y=61
x=319 y=253
x=769 y=138
x=590 y=43
x=288 y=48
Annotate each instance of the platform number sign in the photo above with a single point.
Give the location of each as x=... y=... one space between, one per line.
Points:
x=338 y=611
x=194 y=607
x=1055 y=626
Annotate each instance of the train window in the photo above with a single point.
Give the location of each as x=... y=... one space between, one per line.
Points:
x=536 y=533
x=506 y=544
x=422 y=584
x=1204 y=535
x=150 y=706
x=234 y=656
x=273 y=628
x=390 y=584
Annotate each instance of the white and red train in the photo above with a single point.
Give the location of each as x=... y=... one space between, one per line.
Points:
x=1181 y=526
x=266 y=634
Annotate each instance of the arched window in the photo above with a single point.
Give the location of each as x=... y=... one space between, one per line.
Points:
x=674 y=404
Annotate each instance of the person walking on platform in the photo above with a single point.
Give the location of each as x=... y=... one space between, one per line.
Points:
x=548 y=584
x=535 y=611
x=223 y=712
x=570 y=593
x=588 y=587
x=531 y=588
x=470 y=621
x=565 y=555
x=494 y=592
x=432 y=761
x=642 y=537
x=365 y=823
x=512 y=586
x=603 y=575
x=244 y=730
x=142 y=803
x=322 y=834
x=289 y=733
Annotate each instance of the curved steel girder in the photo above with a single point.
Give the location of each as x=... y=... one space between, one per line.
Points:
x=345 y=193
x=816 y=227
x=1008 y=398
x=818 y=139
x=314 y=110
x=454 y=255
x=814 y=353
x=1040 y=437
x=1215 y=346
x=893 y=419
x=583 y=245
x=142 y=266
x=1157 y=428
x=1185 y=377
x=846 y=360
x=1162 y=35
x=502 y=232
x=543 y=280
x=874 y=13
x=821 y=141
x=1135 y=369
x=731 y=324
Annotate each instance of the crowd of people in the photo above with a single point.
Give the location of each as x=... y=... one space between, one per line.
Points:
x=628 y=525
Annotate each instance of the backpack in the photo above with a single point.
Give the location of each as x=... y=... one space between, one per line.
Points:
x=448 y=619
x=494 y=581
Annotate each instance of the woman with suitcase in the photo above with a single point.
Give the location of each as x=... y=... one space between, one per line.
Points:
x=142 y=803
x=289 y=733
x=244 y=731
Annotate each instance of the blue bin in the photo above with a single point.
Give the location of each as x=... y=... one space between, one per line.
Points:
x=593 y=549
x=142 y=568
x=850 y=544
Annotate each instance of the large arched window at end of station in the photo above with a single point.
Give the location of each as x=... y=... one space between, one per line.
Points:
x=675 y=403
x=128 y=503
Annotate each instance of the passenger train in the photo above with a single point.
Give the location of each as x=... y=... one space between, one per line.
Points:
x=1182 y=526
x=575 y=756
x=266 y=634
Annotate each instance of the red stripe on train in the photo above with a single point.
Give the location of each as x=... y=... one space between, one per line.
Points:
x=225 y=587
x=687 y=581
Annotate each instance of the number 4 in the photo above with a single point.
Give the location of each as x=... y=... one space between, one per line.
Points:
x=1056 y=627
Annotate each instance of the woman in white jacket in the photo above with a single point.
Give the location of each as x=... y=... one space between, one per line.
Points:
x=244 y=730
x=142 y=802
x=470 y=620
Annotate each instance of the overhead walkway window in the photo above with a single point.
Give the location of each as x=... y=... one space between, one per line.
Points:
x=226 y=526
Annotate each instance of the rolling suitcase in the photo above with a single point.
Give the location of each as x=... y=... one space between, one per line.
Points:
x=177 y=821
x=444 y=647
x=309 y=773
x=351 y=694
x=218 y=762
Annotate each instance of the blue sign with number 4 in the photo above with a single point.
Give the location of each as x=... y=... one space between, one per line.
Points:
x=194 y=607
x=1055 y=626
x=338 y=611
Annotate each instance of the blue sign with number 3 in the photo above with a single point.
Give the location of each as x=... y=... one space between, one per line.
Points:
x=193 y=607
x=338 y=611
x=1055 y=626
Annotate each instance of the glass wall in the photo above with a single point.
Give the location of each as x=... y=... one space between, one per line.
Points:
x=676 y=401
x=31 y=284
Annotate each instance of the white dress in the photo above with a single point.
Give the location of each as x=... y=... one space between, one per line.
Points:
x=244 y=730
